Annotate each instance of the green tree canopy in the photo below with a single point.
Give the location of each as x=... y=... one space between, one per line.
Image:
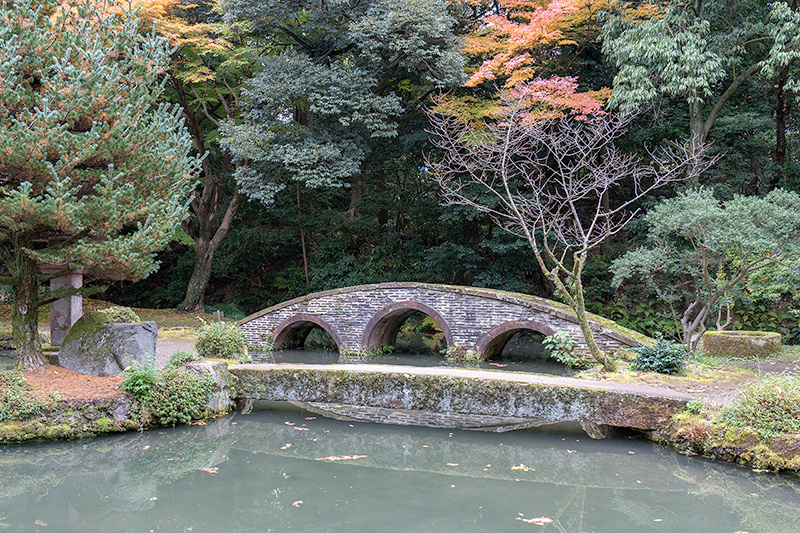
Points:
x=701 y=250
x=701 y=52
x=338 y=75
x=94 y=171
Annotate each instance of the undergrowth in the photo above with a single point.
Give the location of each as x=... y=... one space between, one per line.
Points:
x=770 y=405
x=15 y=400
x=172 y=396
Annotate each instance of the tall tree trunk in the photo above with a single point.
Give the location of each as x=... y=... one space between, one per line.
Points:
x=24 y=316
x=697 y=130
x=781 y=111
x=194 y=301
x=302 y=233
x=207 y=240
x=356 y=195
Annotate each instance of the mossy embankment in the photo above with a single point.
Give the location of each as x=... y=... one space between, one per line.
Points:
x=66 y=405
x=68 y=420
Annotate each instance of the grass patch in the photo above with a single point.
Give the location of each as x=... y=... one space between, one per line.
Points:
x=770 y=405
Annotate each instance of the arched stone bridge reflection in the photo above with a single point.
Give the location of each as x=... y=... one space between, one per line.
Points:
x=369 y=316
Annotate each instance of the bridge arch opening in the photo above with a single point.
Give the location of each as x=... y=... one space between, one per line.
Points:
x=414 y=318
x=515 y=340
x=304 y=331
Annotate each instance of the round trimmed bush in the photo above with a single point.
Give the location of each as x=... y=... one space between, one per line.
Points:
x=663 y=357
x=121 y=314
x=220 y=340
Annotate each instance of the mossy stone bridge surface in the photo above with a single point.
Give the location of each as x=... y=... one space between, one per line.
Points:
x=462 y=391
x=369 y=316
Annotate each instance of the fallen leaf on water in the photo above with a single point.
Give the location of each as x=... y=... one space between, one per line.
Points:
x=542 y=520
x=340 y=457
x=297 y=503
x=286 y=446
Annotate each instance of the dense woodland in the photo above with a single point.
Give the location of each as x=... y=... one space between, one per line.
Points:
x=317 y=121
x=316 y=172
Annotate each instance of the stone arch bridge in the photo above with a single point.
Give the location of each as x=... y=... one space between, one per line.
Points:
x=369 y=316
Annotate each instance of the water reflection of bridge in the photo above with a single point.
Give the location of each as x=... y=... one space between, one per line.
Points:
x=128 y=481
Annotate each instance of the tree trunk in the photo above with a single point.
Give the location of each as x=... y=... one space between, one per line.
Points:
x=24 y=316
x=586 y=328
x=697 y=131
x=356 y=194
x=194 y=302
x=207 y=241
x=781 y=112
x=302 y=233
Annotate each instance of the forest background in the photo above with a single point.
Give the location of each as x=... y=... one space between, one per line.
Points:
x=313 y=118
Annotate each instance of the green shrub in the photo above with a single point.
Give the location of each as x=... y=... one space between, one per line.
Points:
x=769 y=405
x=139 y=379
x=562 y=349
x=663 y=357
x=172 y=395
x=182 y=356
x=460 y=354
x=15 y=400
x=121 y=314
x=221 y=340
x=178 y=396
x=366 y=353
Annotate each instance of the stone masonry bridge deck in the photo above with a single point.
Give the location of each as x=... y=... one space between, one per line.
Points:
x=369 y=316
x=457 y=391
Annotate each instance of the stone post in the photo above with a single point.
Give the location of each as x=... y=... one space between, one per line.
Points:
x=65 y=311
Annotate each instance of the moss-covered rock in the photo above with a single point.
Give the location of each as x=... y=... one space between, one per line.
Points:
x=746 y=344
x=96 y=346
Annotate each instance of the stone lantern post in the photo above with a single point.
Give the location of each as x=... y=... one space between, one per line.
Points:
x=65 y=311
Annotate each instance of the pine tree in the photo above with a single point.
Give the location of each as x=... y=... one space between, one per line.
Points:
x=94 y=171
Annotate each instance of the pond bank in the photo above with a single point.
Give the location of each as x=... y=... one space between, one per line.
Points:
x=67 y=414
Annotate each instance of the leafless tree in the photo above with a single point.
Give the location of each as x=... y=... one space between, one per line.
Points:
x=548 y=180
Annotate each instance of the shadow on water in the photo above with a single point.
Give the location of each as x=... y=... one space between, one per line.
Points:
x=284 y=469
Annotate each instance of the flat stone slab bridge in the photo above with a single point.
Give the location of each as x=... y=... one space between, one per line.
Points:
x=458 y=397
x=369 y=316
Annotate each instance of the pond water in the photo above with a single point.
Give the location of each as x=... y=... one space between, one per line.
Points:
x=528 y=364
x=262 y=472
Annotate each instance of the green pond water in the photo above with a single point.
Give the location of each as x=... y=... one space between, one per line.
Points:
x=262 y=472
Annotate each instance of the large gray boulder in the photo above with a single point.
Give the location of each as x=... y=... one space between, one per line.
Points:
x=96 y=346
